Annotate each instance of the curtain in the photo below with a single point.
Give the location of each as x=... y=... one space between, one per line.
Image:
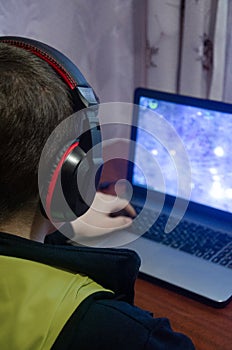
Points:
x=203 y=49
x=188 y=47
x=181 y=46
x=163 y=42
x=227 y=96
x=98 y=36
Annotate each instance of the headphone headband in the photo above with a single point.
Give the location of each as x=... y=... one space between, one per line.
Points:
x=63 y=66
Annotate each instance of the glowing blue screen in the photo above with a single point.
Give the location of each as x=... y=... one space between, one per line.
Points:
x=207 y=137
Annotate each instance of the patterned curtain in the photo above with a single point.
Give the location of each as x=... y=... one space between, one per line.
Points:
x=227 y=96
x=97 y=35
x=179 y=46
x=187 y=46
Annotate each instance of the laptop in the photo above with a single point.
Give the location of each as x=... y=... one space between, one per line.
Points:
x=184 y=209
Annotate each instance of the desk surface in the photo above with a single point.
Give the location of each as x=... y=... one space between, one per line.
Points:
x=208 y=327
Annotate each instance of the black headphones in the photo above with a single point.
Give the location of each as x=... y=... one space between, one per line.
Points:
x=73 y=161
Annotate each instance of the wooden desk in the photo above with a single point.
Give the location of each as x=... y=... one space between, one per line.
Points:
x=209 y=328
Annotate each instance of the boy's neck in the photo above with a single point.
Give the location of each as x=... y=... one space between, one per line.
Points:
x=29 y=223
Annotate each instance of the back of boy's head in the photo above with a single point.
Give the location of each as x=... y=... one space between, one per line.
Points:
x=33 y=101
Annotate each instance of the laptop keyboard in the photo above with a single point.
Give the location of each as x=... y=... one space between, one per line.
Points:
x=203 y=242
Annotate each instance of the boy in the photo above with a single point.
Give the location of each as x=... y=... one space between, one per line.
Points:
x=56 y=297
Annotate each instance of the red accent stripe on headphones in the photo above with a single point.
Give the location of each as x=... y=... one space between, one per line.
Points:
x=58 y=68
x=55 y=175
x=62 y=72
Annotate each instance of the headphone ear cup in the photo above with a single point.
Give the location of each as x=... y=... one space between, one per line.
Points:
x=80 y=177
x=71 y=185
x=52 y=201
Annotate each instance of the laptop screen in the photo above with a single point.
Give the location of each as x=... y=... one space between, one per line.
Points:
x=205 y=128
